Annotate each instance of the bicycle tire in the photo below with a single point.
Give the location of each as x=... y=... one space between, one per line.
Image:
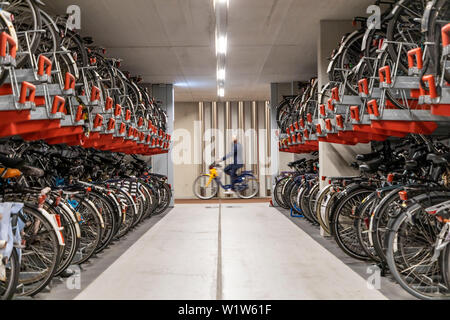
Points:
x=393 y=241
x=8 y=287
x=213 y=194
x=91 y=229
x=353 y=249
x=321 y=198
x=277 y=193
x=28 y=286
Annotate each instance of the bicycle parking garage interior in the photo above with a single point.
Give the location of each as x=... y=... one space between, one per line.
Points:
x=225 y=150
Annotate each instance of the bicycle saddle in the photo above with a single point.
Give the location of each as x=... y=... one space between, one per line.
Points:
x=371 y=166
x=32 y=171
x=438 y=159
x=160 y=176
x=367 y=157
x=411 y=165
x=12 y=163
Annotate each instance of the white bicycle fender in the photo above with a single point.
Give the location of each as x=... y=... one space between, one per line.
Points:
x=52 y=219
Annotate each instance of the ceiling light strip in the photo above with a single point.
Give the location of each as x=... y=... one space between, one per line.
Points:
x=221 y=37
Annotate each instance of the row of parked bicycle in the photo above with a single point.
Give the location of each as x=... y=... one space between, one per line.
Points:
x=387 y=80
x=395 y=214
x=388 y=86
x=71 y=127
x=59 y=87
x=61 y=205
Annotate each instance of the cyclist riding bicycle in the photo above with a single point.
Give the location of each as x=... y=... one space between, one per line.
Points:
x=238 y=163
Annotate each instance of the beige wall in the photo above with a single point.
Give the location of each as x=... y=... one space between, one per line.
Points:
x=185 y=115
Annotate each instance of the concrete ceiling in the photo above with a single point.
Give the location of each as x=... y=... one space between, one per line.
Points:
x=172 y=41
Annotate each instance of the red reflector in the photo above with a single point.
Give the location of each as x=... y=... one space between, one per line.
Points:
x=58 y=220
x=390 y=177
x=403 y=195
x=88 y=189
x=41 y=199
x=57 y=201
x=324 y=178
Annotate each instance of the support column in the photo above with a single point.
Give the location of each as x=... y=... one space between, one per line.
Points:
x=278 y=160
x=334 y=159
x=162 y=163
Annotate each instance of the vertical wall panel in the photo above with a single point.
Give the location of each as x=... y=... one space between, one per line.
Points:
x=207 y=124
x=201 y=119
x=261 y=149
x=220 y=145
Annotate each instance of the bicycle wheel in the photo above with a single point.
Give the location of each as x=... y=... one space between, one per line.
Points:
x=152 y=200
x=41 y=254
x=128 y=210
x=293 y=198
x=165 y=196
x=330 y=204
x=313 y=195
x=73 y=43
x=71 y=240
x=410 y=248
x=365 y=210
x=389 y=206
x=287 y=191
x=91 y=228
x=405 y=27
x=343 y=224
x=205 y=189
x=348 y=59
x=445 y=266
x=440 y=12
x=312 y=199
x=109 y=218
x=140 y=208
x=144 y=194
x=247 y=187
x=27 y=18
x=277 y=193
x=303 y=202
x=8 y=284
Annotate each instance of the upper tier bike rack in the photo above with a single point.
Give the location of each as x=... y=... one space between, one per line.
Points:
x=36 y=108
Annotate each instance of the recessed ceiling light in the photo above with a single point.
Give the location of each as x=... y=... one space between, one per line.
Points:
x=222 y=1
x=221 y=92
x=221 y=74
x=221 y=45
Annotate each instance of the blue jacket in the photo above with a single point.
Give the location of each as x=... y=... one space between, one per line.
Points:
x=236 y=153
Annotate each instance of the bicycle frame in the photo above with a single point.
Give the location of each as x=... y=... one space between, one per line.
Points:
x=214 y=175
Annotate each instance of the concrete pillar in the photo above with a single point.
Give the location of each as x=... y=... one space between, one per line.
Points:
x=162 y=163
x=334 y=158
x=278 y=159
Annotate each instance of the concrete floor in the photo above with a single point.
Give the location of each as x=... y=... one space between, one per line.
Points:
x=228 y=251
